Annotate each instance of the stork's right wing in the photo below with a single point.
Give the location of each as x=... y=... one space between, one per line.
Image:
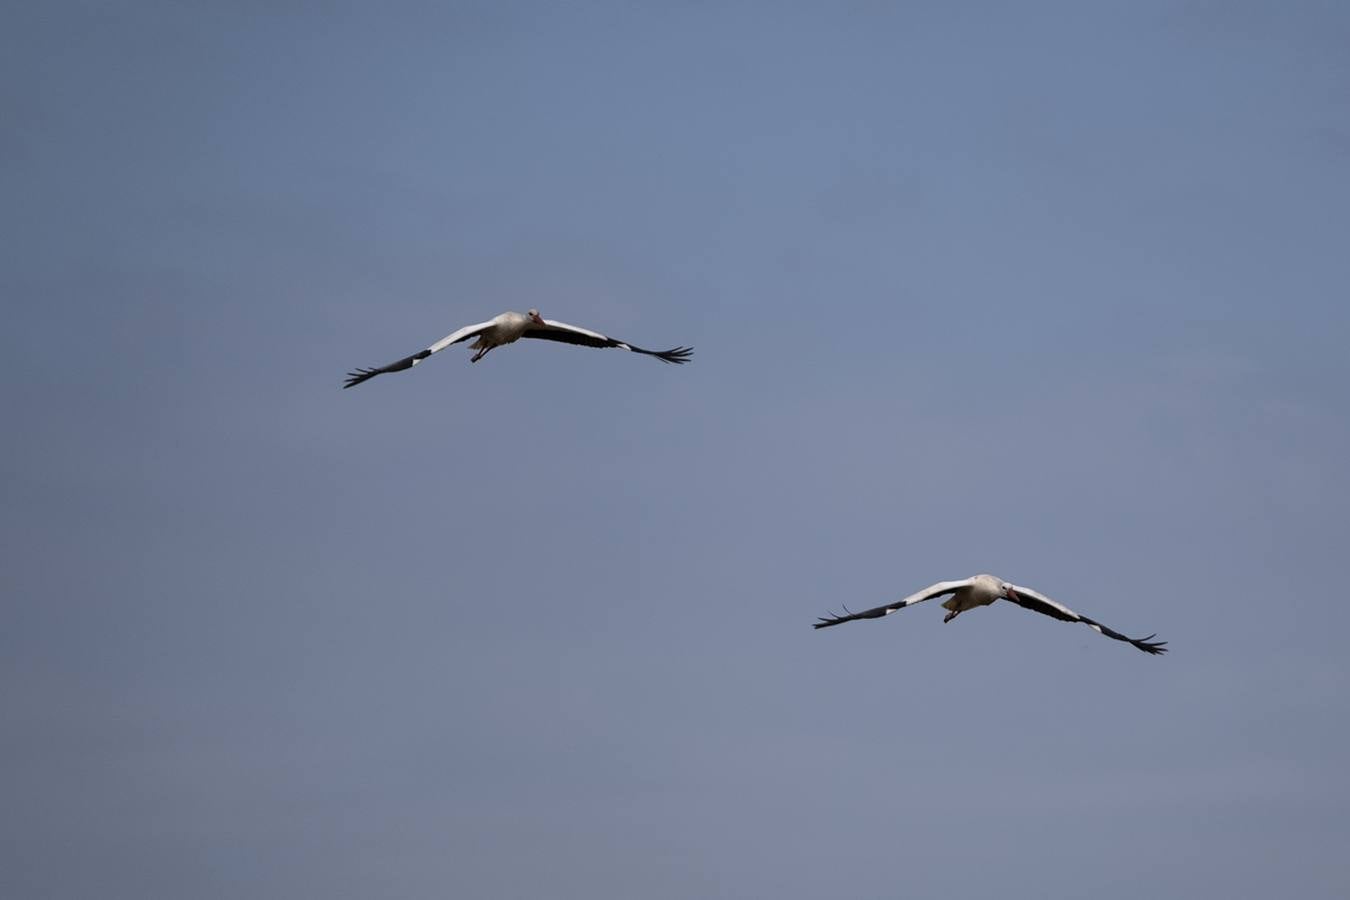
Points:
x=928 y=593
x=357 y=376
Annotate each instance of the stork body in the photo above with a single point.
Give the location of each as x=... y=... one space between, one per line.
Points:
x=506 y=328
x=982 y=591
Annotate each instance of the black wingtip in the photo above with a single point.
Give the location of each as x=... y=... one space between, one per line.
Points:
x=407 y=362
x=677 y=355
x=356 y=377
x=832 y=619
x=1148 y=645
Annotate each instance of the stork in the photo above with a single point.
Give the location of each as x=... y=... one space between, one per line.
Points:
x=510 y=327
x=982 y=590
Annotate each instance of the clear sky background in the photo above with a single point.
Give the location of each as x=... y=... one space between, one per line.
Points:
x=1051 y=290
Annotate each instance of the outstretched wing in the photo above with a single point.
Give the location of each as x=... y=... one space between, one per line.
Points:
x=928 y=593
x=1029 y=599
x=571 y=334
x=357 y=376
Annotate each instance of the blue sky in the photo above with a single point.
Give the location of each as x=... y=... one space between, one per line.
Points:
x=1055 y=292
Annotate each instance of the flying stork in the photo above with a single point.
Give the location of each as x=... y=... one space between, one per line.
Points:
x=510 y=327
x=982 y=590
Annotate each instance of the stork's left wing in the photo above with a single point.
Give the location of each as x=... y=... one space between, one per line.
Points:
x=571 y=334
x=1029 y=599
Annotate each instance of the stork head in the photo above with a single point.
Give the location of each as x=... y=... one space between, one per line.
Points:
x=534 y=317
x=1009 y=592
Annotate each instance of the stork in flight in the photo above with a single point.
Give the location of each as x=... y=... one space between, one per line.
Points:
x=983 y=590
x=510 y=327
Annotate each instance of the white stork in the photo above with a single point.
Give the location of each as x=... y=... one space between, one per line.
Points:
x=982 y=590
x=510 y=327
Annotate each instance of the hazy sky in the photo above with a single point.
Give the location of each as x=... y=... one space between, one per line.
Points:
x=1051 y=290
